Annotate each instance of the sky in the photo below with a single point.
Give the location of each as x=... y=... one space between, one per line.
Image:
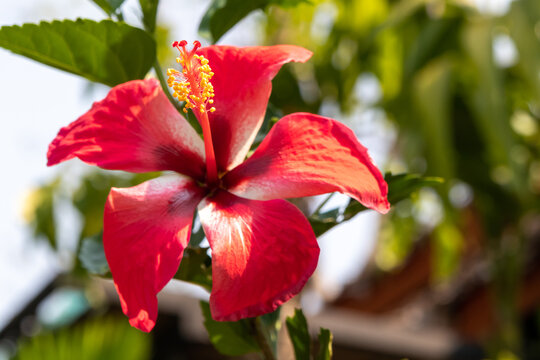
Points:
x=36 y=101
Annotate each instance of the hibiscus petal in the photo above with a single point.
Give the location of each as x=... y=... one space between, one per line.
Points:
x=263 y=252
x=135 y=128
x=242 y=85
x=146 y=228
x=304 y=155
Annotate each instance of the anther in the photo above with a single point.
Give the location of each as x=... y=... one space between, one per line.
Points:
x=192 y=84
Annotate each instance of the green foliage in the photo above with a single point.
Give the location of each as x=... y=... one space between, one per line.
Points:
x=400 y=187
x=165 y=52
x=196 y=267
x=521 y=20
x=297 y=328
x=325 y=345
x=196 y=236
x=230 y=338
x=100 y=338
x=448 y=244
x=222 y=15
x=396 y=237
x=432 y=93
x=270 y=324
x=149 y=10
x=484 y=93
x=92 y=256
x=109 y=6
x=89 y=198
x=107 y=52
x=299 y=334
x=39 y=211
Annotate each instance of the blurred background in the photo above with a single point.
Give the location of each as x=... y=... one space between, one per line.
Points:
x=441 y=88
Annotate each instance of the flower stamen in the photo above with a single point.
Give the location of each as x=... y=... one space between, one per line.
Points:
x=192 y=84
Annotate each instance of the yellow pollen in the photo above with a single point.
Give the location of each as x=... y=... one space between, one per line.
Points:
x=192 y=84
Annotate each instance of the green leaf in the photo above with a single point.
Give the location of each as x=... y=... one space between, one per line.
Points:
x=290 y=3
x=196 y=236
x=432 y=95
x=92 y=256
x=400 y=187
x=192 y=120
x=89 y=199
x=108 y=338
x=325 y=345
x=229 y=338
x=320 y=226
x=492 y=115
x=299 y=334
x=402 y=11
x=109 y=6
x=222 y=15
x=196 y=267
x=521 y=19
x=149 y=10
x=107 y=52
x=270 y=325
x=39 y=211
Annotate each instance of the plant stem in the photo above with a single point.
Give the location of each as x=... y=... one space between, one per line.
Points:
x=267 y=352
x=319 y=208
x=164 y=86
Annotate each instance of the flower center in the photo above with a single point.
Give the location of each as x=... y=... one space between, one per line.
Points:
x=193 y=86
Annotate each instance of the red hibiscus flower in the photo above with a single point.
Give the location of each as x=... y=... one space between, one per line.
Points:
x=263 y=248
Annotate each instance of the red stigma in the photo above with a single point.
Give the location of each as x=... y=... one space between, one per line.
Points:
x=181 y=46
